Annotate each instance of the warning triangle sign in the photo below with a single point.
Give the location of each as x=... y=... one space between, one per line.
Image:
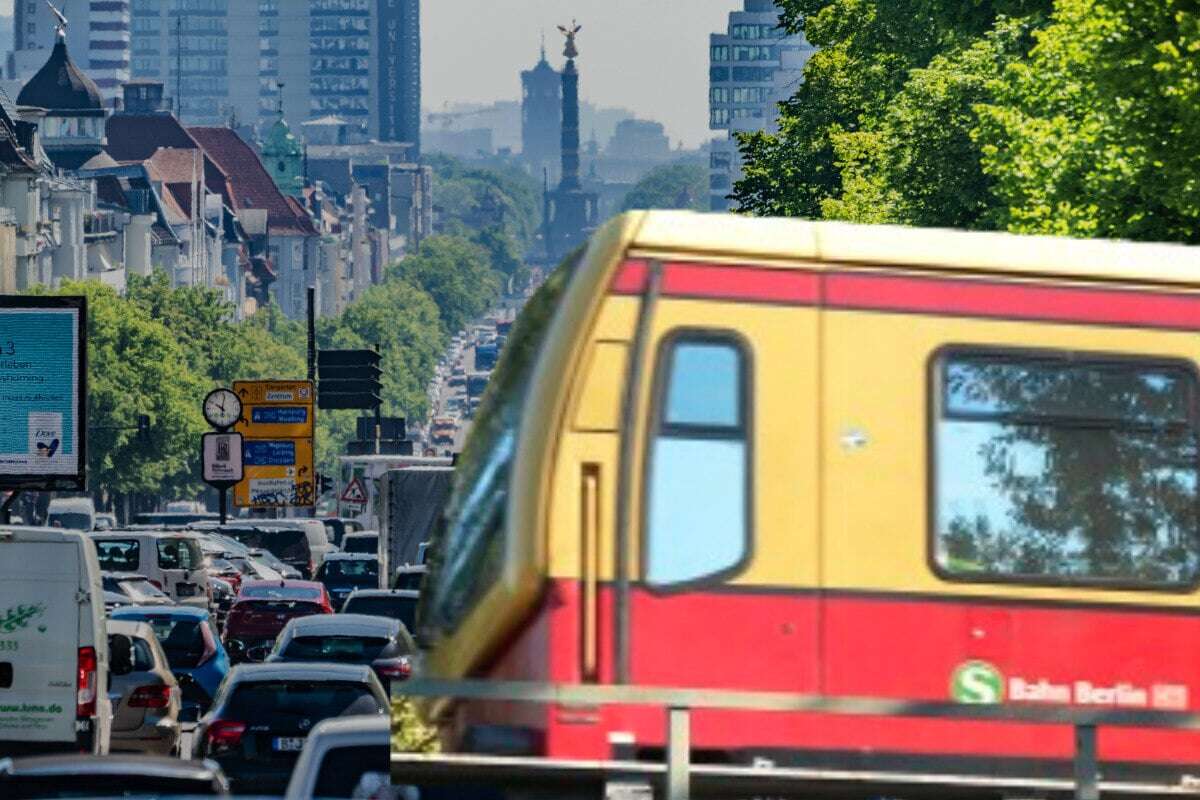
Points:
x=355 y=493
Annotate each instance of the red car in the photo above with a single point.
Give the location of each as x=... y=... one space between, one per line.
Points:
x=263 y=608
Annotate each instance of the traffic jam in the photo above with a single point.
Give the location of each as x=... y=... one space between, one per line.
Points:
x=190 y=652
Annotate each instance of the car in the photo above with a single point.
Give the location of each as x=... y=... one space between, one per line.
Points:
x=254 y=569
x=105 y=521
x=262 y=608
x=219 y=567
x=193 y=647
x=381 y=643
x=338 y=527
x=268 y=559
x=409 y=576
x=173 y=518
x=342 y=573
x=364 y=542
x=223 y=594
x=171 y=560
x=398 y=604
x=109 y=776
x=318 y=540
x=72 y=513
x=292 y=546
x=258 y=725
x=144 y=693
x=338 y=755
x=55 y=655
x=136 y=589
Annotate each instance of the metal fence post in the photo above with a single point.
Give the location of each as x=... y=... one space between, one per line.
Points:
x=1086 y=768
x=679 y=753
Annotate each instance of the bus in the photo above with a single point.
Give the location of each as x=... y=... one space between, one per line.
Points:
x=827 y=459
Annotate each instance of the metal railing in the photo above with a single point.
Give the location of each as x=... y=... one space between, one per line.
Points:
x=677 y=773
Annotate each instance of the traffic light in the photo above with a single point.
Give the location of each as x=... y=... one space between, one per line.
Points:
x=348 y=379
x=324 y=484
x=143 y=428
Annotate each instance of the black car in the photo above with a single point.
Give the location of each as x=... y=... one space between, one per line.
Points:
x=263 y=713
x=398 y=604
x=379 y=642
x=342 y=573
x=112 y=775
x=289 y=545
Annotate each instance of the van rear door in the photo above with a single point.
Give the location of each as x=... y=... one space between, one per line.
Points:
x=39 y=639
x=181 y=563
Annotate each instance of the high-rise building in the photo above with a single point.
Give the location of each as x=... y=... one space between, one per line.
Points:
x=541 y=118
x=754 y=65
x=357 y=59
x=98 y=34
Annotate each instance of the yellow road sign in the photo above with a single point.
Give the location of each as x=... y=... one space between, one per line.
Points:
x=275 y=409
x=278 y=473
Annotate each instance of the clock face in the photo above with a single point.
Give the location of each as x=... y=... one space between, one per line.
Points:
x=222 y=408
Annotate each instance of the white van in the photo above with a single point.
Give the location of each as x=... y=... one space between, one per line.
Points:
x=314 y=531
x=53 y=647
x=171 y=560
x=72 y=513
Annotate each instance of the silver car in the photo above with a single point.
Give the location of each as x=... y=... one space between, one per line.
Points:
x=145 y=696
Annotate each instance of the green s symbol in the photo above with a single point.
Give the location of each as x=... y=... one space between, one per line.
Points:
x=977 y=682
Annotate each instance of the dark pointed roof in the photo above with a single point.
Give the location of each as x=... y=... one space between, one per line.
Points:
x=61 y=86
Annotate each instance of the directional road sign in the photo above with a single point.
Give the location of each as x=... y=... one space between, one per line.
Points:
x=277 y=422
x=275 y=409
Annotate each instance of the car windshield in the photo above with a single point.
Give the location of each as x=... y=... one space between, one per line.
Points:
x=353 y=649
x=118 y=555
x=281 y=593
x=182 y=639
x=343 y=769
x=179 y=553
x=351 y=569
x=70 y=520
x=283 y=701
x=394 y=607
x=286 y=543
x=360 y=544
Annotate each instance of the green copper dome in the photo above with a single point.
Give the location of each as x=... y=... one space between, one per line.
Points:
x=283 y=156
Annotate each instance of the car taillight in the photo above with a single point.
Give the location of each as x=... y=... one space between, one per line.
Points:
x=396 y=668
x=225 y=733
x=150 y=697
x=85 y=697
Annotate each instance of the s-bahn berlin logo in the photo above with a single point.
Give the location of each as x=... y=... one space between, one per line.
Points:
x=980 y=682
x=977 y=682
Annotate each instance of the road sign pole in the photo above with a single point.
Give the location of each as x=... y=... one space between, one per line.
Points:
x=222 y=504
x=312 y=333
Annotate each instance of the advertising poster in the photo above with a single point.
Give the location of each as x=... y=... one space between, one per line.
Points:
x=42 y=392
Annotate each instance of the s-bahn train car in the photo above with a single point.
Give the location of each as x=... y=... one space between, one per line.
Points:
x=821 y=458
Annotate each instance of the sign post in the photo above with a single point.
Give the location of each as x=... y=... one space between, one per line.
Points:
x=222 y=456
x=43 y=395
x=277 y=423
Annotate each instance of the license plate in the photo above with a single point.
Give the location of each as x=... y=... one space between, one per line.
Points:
x=288 y=744
x=185 y=589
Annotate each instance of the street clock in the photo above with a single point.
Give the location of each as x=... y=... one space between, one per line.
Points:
x=222 y=408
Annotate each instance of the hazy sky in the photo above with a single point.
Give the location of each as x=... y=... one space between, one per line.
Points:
x=650 y=56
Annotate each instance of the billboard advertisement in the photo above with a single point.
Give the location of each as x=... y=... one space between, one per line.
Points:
x=43 y=395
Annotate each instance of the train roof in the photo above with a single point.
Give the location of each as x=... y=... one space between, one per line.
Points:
x=820 y=244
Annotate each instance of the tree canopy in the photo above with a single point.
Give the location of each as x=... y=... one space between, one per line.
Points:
x=680 y=185
x=1045 y=116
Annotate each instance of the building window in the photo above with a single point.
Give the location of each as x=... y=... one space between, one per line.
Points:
x=719 y=52
x=718 y=117
x=1059 y=468
x=697 y=522
x=718 y=94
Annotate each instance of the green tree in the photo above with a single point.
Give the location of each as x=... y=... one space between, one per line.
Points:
x=670 y=186
x=456 y=273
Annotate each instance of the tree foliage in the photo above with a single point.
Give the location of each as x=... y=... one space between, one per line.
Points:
x=457 y=273
x=1050 y=116
x=670 y=186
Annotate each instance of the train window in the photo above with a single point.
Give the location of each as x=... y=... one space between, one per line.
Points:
x=697 y=520
x=1058 y=468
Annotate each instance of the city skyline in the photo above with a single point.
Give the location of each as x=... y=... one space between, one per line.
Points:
x=650 y=56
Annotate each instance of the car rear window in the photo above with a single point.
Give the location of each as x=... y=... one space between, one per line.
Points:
x=281 y=593
x=360 y=544
x=288 y=544
x=181 y=639
x=343 y=768
x=179 y=554
x=118 y=555
x=350 y=569
x=266 y=702
x=401 y=608
x=279 y=606
x=354 y=649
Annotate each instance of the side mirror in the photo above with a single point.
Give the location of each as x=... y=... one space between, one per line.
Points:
x=259 y=653
x=120 y=654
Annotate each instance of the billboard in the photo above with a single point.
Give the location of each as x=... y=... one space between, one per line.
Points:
x=43 y=393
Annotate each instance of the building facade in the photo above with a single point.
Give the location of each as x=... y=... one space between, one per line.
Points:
x=357 y=59
x=99 y=36
x=541 y=118
x=753 y=66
